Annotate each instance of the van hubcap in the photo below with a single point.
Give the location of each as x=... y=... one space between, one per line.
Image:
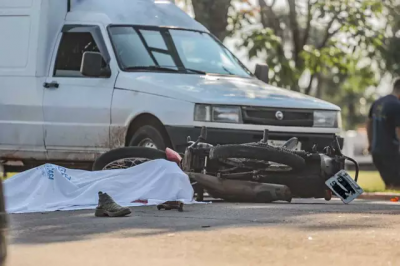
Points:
x=148 y=143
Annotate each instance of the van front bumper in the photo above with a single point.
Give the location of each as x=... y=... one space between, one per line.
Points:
x=178 y=137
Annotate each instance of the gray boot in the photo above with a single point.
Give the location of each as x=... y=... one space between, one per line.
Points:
x=108 y=208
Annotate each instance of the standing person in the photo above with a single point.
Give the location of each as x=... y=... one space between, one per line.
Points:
x=383 y=128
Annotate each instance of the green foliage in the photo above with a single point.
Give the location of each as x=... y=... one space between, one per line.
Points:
x=350 y=93
x=284 y=73
x=336 y=42
x=390 y=50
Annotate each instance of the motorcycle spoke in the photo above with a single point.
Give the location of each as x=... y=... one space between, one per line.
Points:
x=125 y=163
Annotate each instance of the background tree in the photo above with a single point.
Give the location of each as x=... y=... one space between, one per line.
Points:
x=320 y=36
x=390 y=50
x=213 y=14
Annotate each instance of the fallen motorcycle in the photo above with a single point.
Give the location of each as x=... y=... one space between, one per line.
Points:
x=305 y=173
x=231 y=171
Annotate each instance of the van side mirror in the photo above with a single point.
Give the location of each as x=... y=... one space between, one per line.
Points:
x=91 y=64
x=262 y=72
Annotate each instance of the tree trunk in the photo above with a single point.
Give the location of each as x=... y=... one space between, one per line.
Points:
x=213 y=14
x=294 y=26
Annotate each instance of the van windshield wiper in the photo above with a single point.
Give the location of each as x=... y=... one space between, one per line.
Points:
x=194 y=71
x=151 y=68
x=160 y=68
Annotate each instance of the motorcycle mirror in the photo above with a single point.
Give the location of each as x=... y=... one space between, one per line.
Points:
x=262 y=72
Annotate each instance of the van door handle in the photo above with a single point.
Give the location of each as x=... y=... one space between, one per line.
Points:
x=53 y=84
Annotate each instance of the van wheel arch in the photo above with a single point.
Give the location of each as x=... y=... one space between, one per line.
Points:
x=151 y=121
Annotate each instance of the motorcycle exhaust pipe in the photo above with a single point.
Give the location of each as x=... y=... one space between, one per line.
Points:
x=242 y=191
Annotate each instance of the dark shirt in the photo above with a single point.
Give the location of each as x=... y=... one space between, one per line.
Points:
x=385 y=115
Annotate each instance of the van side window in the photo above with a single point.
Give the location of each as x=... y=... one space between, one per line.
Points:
x=70 y=53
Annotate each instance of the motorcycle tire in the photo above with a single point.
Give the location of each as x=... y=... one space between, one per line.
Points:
x=265 y=153
x=126 y=153
x=300 y=153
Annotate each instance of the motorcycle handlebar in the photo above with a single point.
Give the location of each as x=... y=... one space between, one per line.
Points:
x=202 y=137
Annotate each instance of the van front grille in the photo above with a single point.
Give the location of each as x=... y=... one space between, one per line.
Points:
x=278 y=117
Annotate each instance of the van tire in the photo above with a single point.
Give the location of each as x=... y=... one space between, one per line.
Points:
x=125 y=153
x=148 y=133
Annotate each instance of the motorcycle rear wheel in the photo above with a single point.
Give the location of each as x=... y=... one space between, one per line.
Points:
x=126 y=157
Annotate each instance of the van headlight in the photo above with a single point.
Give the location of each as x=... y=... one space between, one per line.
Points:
x=220 y=114
x=327 y=119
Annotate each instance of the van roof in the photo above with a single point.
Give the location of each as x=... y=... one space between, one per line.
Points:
x=132 y=12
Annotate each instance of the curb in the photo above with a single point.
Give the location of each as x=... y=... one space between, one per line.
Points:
x=381 y=196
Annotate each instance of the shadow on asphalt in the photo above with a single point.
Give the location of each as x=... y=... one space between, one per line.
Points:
x=147 y=221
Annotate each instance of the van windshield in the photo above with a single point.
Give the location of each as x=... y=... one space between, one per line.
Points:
x=173 y=50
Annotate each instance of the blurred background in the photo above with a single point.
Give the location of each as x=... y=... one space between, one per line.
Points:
x=342 y=51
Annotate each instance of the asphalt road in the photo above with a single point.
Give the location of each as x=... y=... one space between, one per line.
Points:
x=306 y=232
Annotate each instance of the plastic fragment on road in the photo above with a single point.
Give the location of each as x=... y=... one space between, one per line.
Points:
x=395 y=199
x=344 y=187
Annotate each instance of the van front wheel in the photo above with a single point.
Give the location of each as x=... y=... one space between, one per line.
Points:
x=148 y=137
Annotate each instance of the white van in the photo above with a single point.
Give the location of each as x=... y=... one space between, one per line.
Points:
x=81 y=77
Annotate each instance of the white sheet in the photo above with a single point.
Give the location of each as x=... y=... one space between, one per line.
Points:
x=51 y=187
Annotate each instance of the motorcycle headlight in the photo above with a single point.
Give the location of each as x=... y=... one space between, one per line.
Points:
x=326 y=119
x=220 y=114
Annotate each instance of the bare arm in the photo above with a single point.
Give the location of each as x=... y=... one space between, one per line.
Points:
x=398 y=132
x=397 y=122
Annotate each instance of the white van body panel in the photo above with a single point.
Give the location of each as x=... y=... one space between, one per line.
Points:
x=218 y=90
x=129 y=104
x=134 y=12
x=19 y=26
x=175 y=96
x=21 y=116
x=28 y=32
